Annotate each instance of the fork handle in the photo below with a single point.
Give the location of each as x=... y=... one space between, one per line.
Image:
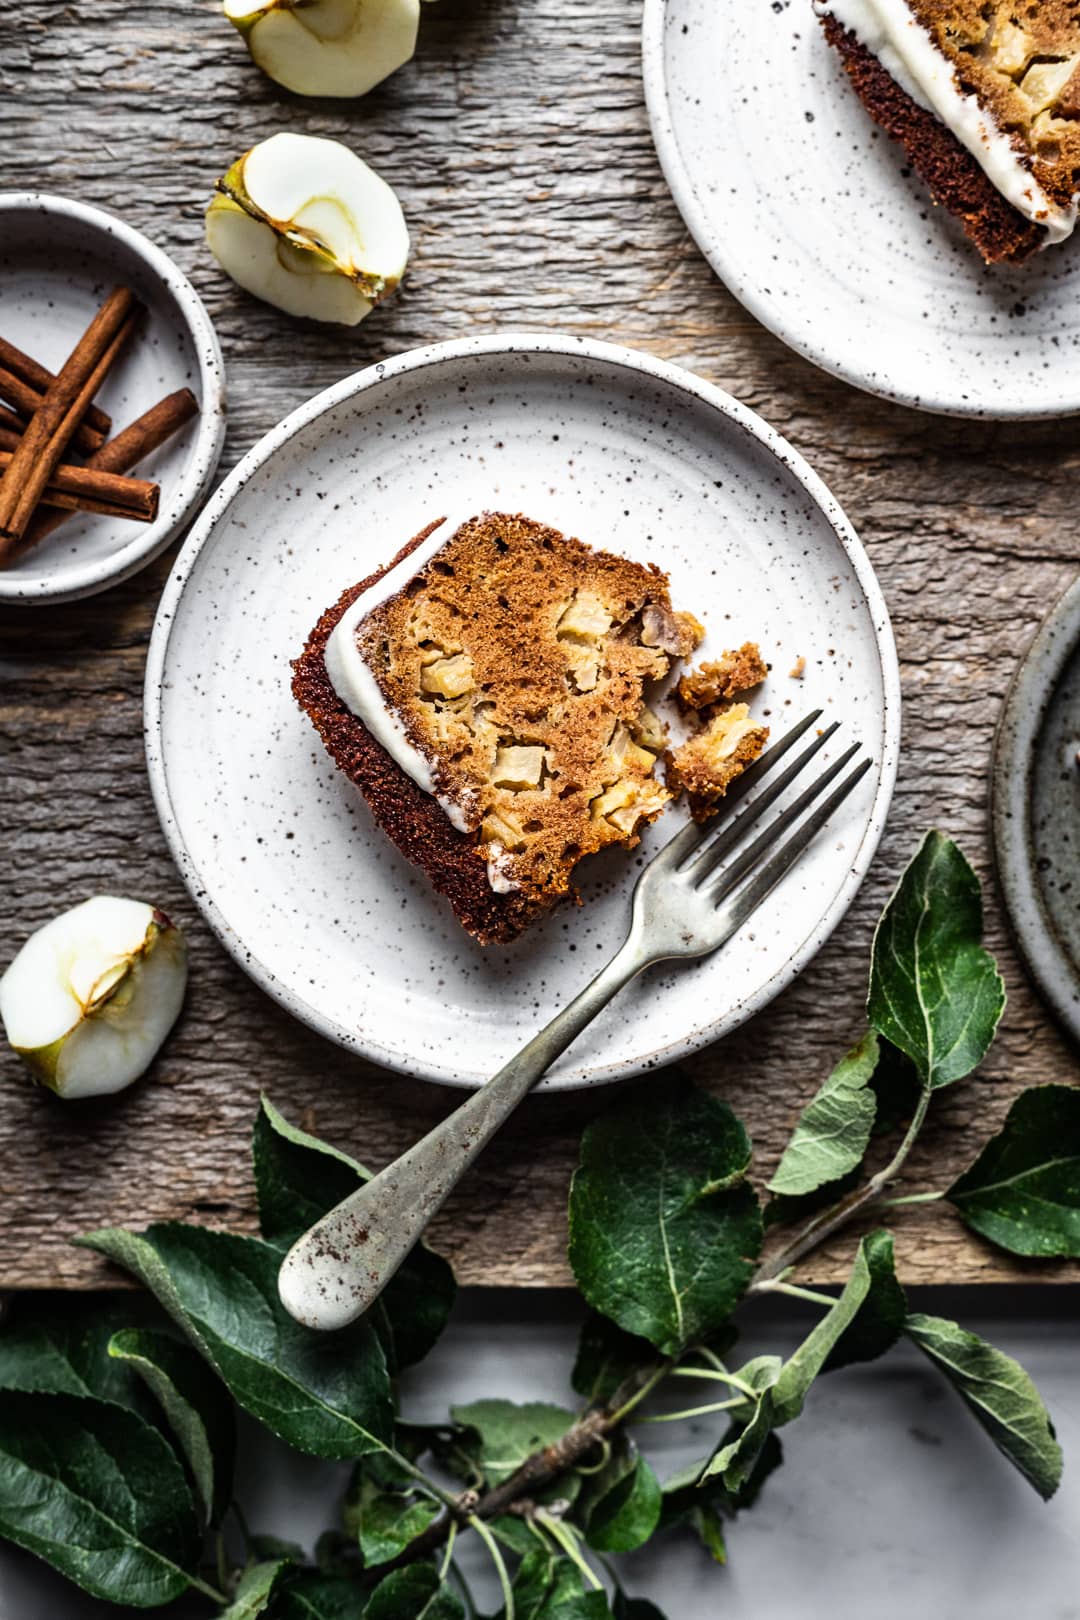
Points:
x=341 y=1265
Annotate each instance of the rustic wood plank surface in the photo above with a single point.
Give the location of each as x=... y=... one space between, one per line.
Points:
x=519 y=145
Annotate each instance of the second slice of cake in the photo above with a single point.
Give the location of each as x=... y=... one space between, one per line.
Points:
x=984 y=97
x=487 y=694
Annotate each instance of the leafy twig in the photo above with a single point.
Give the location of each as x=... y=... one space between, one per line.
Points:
x=830 y=1221
x=539 y=1469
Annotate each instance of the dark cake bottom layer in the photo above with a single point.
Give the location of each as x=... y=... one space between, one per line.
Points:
x=953 y=177
x=408 y=815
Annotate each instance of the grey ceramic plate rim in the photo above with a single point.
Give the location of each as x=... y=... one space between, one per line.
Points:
x=209 y=440
x=1022 y=717
x=884 y=749
x=714 y=247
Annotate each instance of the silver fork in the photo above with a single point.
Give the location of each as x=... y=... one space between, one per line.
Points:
x=684 y=906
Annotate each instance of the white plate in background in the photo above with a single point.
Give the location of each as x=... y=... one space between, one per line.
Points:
x=277 y=846
x=809 y=214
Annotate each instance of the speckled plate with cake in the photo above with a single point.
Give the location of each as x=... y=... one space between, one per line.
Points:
x=643 y=462
x=926 y=252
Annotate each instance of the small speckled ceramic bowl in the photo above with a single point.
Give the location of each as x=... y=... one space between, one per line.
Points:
x=1035 y=807
x=58 y=261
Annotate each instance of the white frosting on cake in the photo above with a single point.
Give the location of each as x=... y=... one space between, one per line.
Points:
x=354 y=681
x=906 y=50
x=498 y=874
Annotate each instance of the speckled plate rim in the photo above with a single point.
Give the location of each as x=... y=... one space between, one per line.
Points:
x=75 y=582
x=714 y=246
x=383 y=376
x=1022 y=716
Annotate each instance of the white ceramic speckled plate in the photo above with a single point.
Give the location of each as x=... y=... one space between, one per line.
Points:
x=58 y=260
x=278 y=847
x=811 y=217
x=1035 y=807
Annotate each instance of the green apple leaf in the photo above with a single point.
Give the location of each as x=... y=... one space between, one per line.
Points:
x=687 y=1491
x=1023 y=1191
x=585 y=1606
x=61 y=1347
x=606 y=1357
x=297 y=1176
x=664 y=1229
x=802 y=1367
x=543 y=1580
x=327 y=1394
x=385 y=1510
x=308 y=1594
x=196 y=1407
x=934 y=991
x=879 y=1320
x=499 y=1435
x=834 y=1129
x=999 y=1393
x=632 y=1608
x=413 y=1593
x=734 y=1461
x=256 y=1590
x=625 y=1515
x=99 y=1494
x=297 y=1180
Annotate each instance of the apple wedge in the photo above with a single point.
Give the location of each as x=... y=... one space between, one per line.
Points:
x=327 y=47
x=305 y=224
x=91 y=996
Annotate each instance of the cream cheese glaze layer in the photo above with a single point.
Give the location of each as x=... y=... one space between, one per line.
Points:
x=356 y=686
x=890 y=31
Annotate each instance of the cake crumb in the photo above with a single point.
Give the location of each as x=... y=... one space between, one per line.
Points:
x=705 y=765
x=798 y=668
x=735 y=671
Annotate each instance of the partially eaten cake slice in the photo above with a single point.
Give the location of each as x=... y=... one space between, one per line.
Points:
x=487 y=694
x=984 y=96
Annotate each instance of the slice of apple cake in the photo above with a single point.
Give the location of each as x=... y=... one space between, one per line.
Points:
x=487 y=694
x=984 y=97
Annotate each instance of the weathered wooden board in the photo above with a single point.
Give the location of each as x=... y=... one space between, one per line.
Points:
x=519 y=144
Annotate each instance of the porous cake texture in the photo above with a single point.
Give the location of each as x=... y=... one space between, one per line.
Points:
x=516 y=660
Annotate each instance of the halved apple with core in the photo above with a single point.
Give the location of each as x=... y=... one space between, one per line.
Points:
x=327 y=47
x=91 y=996
x=305 y=224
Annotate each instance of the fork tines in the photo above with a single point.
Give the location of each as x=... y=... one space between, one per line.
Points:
x=703 y=850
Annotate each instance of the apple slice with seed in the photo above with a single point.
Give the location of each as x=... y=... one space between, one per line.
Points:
x=91 y=996
x=305 y=224
x=327 y=47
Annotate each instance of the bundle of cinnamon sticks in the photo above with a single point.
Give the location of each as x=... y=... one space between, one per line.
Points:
x=47 y=419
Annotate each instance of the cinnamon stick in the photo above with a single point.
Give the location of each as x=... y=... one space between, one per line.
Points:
x=26 y=400
x=144 y=435
x=12 y=422
x=53 y=424
x=30 y=371
x=88 y=489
